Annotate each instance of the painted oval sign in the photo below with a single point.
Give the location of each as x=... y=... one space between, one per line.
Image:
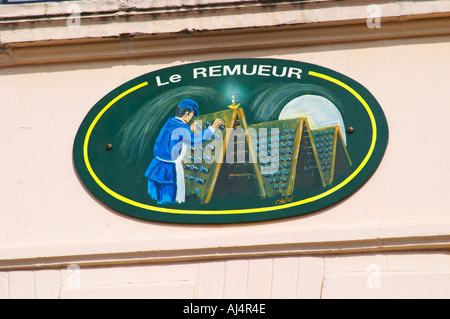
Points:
x=230 y=141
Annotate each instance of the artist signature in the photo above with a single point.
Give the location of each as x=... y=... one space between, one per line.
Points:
x=284 y=200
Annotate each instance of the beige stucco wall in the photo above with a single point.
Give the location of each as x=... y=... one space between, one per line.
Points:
x=389 y=239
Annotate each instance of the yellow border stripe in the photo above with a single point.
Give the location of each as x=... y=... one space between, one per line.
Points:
x=237 y=211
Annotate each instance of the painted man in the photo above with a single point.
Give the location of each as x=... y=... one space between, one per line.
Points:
x=165 y=173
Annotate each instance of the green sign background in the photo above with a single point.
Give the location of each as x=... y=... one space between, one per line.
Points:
x=131 y=116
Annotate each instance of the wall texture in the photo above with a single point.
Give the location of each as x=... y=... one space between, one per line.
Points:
x=391 y=275
x=390 y=239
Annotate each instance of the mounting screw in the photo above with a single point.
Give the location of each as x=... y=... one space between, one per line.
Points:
x=108 y=147
x=350 y=129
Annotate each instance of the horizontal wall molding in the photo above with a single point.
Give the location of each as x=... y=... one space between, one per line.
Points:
x=38 y=35
x=373 y=238
x=128 y=46
x=109 y=35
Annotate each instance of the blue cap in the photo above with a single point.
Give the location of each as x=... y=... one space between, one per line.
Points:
x=190 y=104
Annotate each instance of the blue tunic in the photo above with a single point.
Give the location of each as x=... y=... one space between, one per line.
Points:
x=161 y=173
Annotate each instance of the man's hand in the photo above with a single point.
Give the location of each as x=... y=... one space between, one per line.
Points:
x=195 y=127
x=217 y=123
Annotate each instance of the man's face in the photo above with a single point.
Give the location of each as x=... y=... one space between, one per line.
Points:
x=188 y=116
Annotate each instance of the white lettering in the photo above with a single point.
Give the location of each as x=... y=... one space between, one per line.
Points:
x=283 y=73
x=374 y=277
x=236 y=70
x=159 y=83
x=373 y=20
x=245 y=71
x=199 y=71
x=294 y=71
x=215 y=70
x=200 y=309
x=175 y=78
x=264 y=70
x=242 y=69
x=74 y=20
x=240 y=145
x=73 y=281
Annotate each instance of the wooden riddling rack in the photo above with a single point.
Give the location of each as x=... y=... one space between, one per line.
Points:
x=269 y=159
